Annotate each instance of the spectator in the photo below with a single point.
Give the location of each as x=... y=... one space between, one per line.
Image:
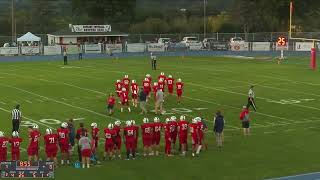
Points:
x=143 y=101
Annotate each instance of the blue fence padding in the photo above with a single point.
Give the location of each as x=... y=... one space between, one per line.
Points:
x=187 y=53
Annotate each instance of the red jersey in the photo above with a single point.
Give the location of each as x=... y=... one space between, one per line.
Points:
x=194 y=128
x=183 y=128
x=134 y=88
x=155 y=89
x=136 y=128
x=126 y=83
x=170 y=82
x=146 y=130
x=157 y=128
x=129 y=133
x=34 y=138
x=15 y=144
x=117 y=130
x=179 y=86
x=63 y=135
x=124 y=96
x=95 y=133
x=118 y=86
x=146 y=85
x=173 y=127
x=167 y=134
x=150 y=79
x=161 y=86
x=109 y=134
x=51 y=141
x=162 y=77
x=111 y=101
x=79 y=132
x=3 y=145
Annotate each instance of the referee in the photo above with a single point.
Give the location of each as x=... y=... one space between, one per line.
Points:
x=16 y=118
x=251 y=101
x=153 y=61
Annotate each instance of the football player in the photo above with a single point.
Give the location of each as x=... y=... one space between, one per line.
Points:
x=136 y=128
x=126 y=82
x=124 y=100
x=155 y=89
x=179 y=89
x=147 y=135
x=134 y=93
x=157 y=126
x=129 y=133
x=15 y=142
x=117 y=139
x=167 y=137
x=63 y=138
x=183 y=134
x=173 y=132
x=170 y=83
x=51 y=146
x=95 y=139
x=3 y=147
x=194 y=132
x=109 y=134
x=118 y=86
x=33 y=148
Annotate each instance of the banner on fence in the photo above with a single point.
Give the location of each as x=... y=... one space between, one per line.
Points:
x=304 y=46
x=195 y=46
x=261 y=46
x=90 y=28
x=52 y=50
x=92 y=48
x=136 y=47
x=115 y=48
x=156 y=47
x=239 y=46
x=30 y=50
x=71 y=49
x=9 y=51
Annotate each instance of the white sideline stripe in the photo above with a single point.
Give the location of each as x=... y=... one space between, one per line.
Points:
x=232 y=92
x=28 y=101
x=59 y=102
x=289 y=177
x=5 y=110
x=269 y=132
x=39 y=100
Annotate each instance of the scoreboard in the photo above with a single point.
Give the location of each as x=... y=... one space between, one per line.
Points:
x=27 y=169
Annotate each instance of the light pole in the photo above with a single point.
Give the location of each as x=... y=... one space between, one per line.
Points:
x=12 y=20
x=204 y=19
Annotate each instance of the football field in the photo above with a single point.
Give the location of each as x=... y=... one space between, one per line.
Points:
x=285 y=128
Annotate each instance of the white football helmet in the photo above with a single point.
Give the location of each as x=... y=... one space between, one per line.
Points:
x=35 y=126
x=48 y=131
x=128 y=123
x=167 y=120
x=179 y=80
x=94 y=125
x=170 y=76
x=162 y=73
x=156 y=119
x=194 y=121
x=155 y=84
x=110 y=126
x=160 y=80
x=133 y=81
x=146 y=79
x=126 y=76
x=182 y=118
x=145 y=120
x=148 y=75
x=133 y=122
x=64 y=125
x=118 y=123
x=198 y=119
x=15 y=134
x=1 y=134
x=118 y=81
x=173 y=118
x=123 y=89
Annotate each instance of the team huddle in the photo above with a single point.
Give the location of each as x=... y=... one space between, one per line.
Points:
x=124 y=87
x=113 y=135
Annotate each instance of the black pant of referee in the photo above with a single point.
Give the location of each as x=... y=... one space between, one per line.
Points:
x=251 y=103
x=15 y=125
x=154 y=64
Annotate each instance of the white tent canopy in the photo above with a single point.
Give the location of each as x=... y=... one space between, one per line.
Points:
x=29 y=37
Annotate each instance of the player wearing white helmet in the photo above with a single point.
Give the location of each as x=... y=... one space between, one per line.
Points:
x=173 y=132
x=179 y=89
x=167 y=136
x=118 y=86
x=183 y=134
x=64 y=138
x=147 y=135
x=202 y=127
x=134 y=93
x=124 y=96
x=15 y=142
x=130 y=138
x=136 y=129
x=194 y=131
x=95 y=138
x=170 y=83
x=3 y=148
x=33 y=148
x=51 y=145
x=109 y=134
x=126 y=82
x=117 y=139
x=157 y=126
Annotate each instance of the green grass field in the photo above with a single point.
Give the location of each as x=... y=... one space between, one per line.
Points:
x=285 y=130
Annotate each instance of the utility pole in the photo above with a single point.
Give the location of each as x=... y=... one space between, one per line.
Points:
x=204 y=19
x=12 y=20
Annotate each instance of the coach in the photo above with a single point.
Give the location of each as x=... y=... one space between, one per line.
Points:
x=16 y=118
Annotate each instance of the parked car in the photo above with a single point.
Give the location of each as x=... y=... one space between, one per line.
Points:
x=164 y=40
x=187 y=40
x=207 y=42
x=236 y=40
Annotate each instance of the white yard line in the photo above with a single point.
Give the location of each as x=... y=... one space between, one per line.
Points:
x=1 y=102
x=28 y=101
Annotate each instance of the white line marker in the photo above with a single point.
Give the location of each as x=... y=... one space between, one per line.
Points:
x=28 y=101
x=1 y=102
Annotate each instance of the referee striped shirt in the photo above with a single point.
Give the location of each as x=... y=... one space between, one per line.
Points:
x=16 y=114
